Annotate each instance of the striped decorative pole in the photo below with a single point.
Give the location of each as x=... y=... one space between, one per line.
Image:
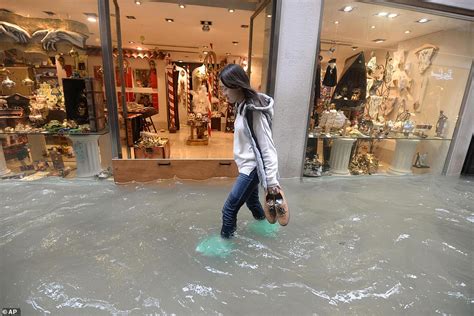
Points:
x=171 y=103
x=188 y=94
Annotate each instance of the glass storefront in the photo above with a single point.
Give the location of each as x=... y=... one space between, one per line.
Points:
x=389 y=88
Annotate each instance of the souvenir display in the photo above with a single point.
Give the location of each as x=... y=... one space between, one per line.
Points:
x=441 y=124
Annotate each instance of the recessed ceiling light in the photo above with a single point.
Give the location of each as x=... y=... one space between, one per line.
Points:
x=424 y=20
x=204 y=52
x=180 y=61
x=91 y=19
x=182 y=6
x=139 y=48
x=97 y=40
x=372 y=27
x=131 y=42
x=244 y=26
x=336 y=22
x=131 y=17
x=269 y=15
x=382 y=14
x=392 y=15
x=354 y=47
x=379 y=40
x=138 y=2
x=205 y=47
x=228 y=54
x=235 y=43
x=169 y=20
x=347 y=8
x=231 y=10
x=407 y=32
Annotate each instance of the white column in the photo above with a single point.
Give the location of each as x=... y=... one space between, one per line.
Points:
x=295 y=73
x=3 y=164
x=86 y=149
x=37 y=147
x=403 y=157
x=340 y=155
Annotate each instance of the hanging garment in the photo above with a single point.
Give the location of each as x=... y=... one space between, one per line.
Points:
x=330 y=77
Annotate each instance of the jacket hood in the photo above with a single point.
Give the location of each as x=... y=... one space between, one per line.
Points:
x=268 y=108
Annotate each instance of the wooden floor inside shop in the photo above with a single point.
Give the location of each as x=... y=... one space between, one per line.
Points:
x=220 y=145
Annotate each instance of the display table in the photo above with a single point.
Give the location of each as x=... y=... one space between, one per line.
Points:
x=403 y=156
x=340 y=155
x=86 y=149
x=3 y=164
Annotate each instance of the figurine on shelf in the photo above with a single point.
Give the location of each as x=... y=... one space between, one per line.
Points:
x=441 y=124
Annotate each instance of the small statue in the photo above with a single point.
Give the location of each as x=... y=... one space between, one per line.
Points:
x=441 y=124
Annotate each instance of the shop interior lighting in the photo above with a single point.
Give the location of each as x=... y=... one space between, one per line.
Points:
x=138 y=2
x=180 y=61
x=392 y=15
x=424 y=20
x=347 y=8
x=379 y=40
x=139 y=48
x=227 y=54
x=336 y=22
x=182 y=6
x=269 y=15
x=244 y=26
x=91 y=17
x=372 y=27
x=407 y=32
x=131 y=42
x=235 y=43
x=354 y=47
x=169 y=20
x=131 y=17
x=231 y=10
x=382 y=14
x=204 y=52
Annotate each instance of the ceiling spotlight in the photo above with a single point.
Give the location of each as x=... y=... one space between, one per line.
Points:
x=131 y=42
x=180 y=61
x=92 y=19
x=139 y=48
x=269 y=15
x=231 y=10
x=204 y=52
x=382 y=14
x=347 y=8
x=354 y=47
x=138 y=2
x=244 y=26
x=424 y=20
x=235 y=43
x=336 y=22
x=205 y=47
x=182 y=6
x=227 y=54
x=169 y=20
x=379 y=40
x=407 y=32
x=372 y=27
x=392 y=15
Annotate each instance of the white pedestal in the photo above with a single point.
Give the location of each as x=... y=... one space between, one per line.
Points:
x=340 y=155
x=37 y=147
x=403 y=157
x=86 y=148
x=3 y=164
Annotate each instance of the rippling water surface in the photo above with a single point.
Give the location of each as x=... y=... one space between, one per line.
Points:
x=358 y=246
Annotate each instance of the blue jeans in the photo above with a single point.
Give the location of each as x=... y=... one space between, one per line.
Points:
x=245 y=190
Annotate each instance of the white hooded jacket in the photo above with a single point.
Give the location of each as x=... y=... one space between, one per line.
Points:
x=257 y=151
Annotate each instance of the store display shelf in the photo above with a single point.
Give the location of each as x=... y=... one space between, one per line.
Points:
x=46 y=133
x=325 y=136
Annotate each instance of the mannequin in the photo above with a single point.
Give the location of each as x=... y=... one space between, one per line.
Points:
x=330 y=77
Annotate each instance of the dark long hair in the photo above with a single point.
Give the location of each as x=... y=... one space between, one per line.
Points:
x=234 y=76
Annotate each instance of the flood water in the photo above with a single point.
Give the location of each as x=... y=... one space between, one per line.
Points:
x=354 y=246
